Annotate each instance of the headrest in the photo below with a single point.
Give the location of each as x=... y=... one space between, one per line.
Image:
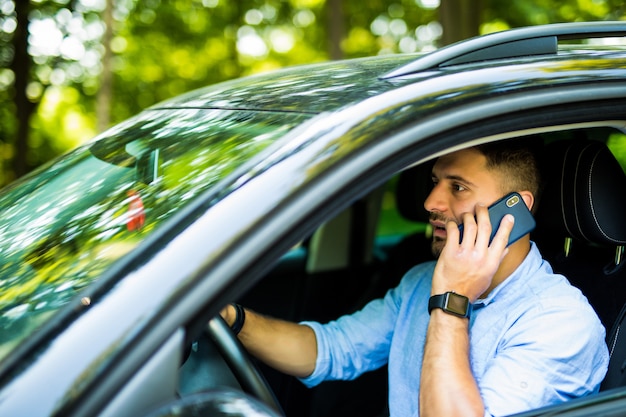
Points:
x=585 y=194
x=414 y=185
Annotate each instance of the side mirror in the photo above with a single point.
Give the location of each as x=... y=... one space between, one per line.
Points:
x=215 y=403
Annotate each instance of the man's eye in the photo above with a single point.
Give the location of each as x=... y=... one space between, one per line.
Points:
x=458 y=187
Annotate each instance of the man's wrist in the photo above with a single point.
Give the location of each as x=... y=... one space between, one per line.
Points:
x=240 y=318
x=451 y=303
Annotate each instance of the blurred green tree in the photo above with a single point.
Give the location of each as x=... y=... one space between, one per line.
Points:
x=49 y=67
x=71 y=68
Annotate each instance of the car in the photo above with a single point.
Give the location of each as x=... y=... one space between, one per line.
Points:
x=297 y=193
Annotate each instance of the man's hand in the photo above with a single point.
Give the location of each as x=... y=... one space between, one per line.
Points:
x=228 y=314
x=468 y=267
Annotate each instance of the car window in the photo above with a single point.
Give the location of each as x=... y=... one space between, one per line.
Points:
x=392 y=224
x=616 y=143
x=62 y=228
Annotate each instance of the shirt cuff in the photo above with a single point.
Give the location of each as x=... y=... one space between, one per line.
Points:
x=318 y=373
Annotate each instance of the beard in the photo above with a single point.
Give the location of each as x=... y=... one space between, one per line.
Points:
x=438 y=242
x=437 y=246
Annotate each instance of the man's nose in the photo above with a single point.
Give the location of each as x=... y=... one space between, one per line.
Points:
x=435 y=201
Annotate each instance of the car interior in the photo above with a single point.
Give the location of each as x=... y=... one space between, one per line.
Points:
x=365 y=250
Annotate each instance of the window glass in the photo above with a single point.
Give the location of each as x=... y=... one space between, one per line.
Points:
x=62 y=227
x=617 y=144
x=392 y=224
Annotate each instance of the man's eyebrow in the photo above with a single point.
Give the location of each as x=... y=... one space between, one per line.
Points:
x=452 y=177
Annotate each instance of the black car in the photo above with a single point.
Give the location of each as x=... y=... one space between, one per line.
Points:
x=298 y=193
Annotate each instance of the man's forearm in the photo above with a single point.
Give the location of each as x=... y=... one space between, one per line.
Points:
x=447 y=386
x=287 y=347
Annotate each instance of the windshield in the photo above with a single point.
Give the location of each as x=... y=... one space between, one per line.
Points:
x=61 y=227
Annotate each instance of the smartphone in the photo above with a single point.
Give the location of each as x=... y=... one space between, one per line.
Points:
x=513 y=204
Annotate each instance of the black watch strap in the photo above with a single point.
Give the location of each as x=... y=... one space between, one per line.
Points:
x=452 y=303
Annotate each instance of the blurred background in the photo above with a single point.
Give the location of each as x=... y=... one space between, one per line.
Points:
x=69 y=69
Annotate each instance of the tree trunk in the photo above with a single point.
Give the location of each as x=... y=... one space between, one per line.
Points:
x=105 y=94
x=335 y=28
x=460 y=19
x=21 y=66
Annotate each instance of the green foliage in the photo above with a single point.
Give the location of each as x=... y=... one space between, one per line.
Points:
x=503 y=15
x=617 y=145
x=162 y=48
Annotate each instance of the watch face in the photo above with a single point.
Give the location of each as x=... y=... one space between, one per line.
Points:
x=457 y=304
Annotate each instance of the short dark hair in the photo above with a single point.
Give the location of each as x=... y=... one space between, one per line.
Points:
x=518 y=163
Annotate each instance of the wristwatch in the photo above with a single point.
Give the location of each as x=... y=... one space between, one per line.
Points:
x=451 y=303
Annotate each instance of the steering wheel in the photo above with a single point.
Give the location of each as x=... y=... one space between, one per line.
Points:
x=236 y=357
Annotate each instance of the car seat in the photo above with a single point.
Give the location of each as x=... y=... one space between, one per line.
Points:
x=581 y=230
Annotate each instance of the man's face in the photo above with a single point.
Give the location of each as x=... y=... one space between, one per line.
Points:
x=461 y=180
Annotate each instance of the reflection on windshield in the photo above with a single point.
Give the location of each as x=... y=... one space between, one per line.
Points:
x=63 y=226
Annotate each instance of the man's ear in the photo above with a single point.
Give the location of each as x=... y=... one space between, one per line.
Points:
x=529 y=199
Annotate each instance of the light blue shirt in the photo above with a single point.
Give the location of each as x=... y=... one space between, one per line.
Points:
x=534 y=341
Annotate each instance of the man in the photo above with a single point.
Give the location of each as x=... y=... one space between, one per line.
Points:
x=531 y=339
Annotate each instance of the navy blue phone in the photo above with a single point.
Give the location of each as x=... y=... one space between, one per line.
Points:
x=513 y=204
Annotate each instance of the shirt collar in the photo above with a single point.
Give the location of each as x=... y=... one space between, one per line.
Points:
x=531 y=263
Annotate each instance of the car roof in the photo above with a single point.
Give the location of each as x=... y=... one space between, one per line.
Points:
x=312 y=88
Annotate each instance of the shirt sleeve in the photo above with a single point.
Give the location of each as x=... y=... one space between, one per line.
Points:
x=354 y=344
x=555 y=352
